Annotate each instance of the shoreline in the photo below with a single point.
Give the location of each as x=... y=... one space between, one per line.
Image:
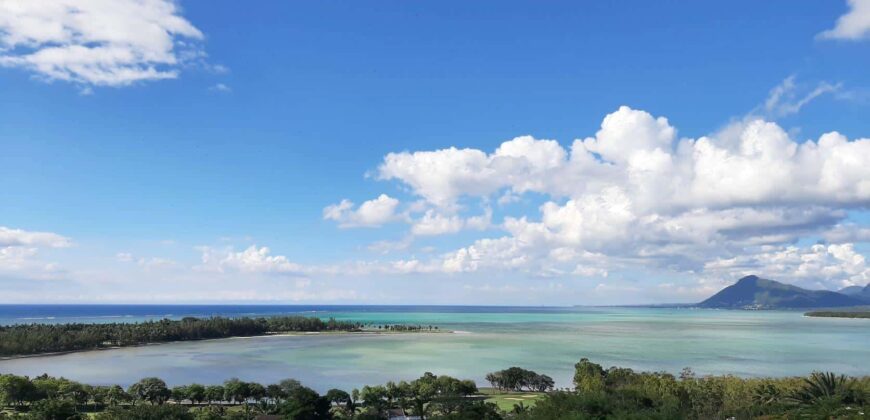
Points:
x=271 y=334
x=838 y=314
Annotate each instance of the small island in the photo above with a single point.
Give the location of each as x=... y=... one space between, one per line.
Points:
x=40 y=339
x=839 y=314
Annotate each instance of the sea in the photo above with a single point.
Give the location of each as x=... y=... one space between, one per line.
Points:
x=481 y=339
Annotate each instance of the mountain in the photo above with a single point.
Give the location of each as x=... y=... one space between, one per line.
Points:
x=857 y=291
x=852 y=290
x=752 y=292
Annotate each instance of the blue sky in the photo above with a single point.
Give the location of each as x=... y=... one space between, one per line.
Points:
x=200 y=151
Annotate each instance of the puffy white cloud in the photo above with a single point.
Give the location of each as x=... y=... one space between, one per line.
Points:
x=830 y=266
x=635 y=194
x=855 y=24
x=19 y=237
x=443 y=175
x=433 y=223
x=627 y=132
x=753 y=162
x=371 y=213
x=96 y=42
x=251 y=260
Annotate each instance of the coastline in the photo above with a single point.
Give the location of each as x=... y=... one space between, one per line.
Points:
x=271 y=334
x=838 y=314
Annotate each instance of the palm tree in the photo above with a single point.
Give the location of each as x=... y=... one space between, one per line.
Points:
x=822 y=386
x=766 y=394
x=520 y=408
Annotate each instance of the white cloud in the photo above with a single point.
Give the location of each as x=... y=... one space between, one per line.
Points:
x=371 y=213
x=96 y=42
x=854 y=25
x=441 y=176
x=750 y=162
x=18 y=237
x=15 y=258
x=220 y=87
x=627 y=134
x=829 y=266
x=251 y=260
x=636 y=194
x=847 y=232
x=434 y=222
x=155 y=263
x=386 y=247
x=784 y=99
x=19 y=253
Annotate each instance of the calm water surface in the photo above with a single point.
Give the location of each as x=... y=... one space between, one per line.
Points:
x=548 y=340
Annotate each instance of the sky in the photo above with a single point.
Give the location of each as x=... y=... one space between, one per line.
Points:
x=494 y=153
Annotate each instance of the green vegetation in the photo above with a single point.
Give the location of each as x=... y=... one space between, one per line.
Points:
x=752 y=292
x=614 y=393
x=430 y=396
x=50 y=338
x=839 y=314
x=519 y=379
x=510 y=401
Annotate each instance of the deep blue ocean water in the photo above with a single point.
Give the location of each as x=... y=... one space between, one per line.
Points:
x=27 y=314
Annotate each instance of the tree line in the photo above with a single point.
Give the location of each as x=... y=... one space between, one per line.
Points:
x=25 y=339
x=430 y=397
x=598 y=393
x=519 y=379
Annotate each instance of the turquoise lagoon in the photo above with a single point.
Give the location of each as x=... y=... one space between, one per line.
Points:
x=484 y=339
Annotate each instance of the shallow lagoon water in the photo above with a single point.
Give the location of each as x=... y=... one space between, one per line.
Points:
x=548 y=340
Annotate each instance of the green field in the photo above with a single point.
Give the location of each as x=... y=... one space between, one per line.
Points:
x=507 y=399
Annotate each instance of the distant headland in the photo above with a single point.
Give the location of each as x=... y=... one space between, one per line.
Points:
x=755 y=293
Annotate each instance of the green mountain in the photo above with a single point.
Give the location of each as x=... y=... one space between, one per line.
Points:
x=752 y=292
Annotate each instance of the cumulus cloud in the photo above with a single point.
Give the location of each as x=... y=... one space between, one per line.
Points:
x=635 y=154
x=829 y=266
x=252 y=260
x=97 y=42
x=635 y=193
x=854 y=25
x=371 y=213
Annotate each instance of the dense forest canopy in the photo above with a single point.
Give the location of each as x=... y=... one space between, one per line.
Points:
x=48 y=338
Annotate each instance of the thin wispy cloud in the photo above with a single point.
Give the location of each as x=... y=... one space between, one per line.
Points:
x=788 y=98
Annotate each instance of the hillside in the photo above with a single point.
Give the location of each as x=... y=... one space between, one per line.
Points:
x=858 y=291
x=752 y=292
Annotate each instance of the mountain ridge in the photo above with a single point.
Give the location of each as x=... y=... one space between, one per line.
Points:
x=753 y=292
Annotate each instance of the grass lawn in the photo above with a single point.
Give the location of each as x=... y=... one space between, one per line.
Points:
x=506 y=399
